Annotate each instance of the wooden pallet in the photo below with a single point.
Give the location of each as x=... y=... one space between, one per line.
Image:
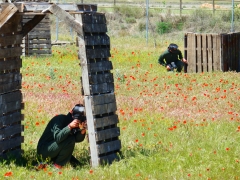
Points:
x=202 y=52
x=98 y=89
x=212 y=52
x=38 y=40
x=230 y=44
x=10 y=85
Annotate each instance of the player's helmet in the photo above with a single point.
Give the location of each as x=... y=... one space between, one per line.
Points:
x=78 y=112
x=173 y=48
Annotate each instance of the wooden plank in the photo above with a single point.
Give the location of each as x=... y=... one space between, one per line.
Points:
x=83 y=60
x=100 y=66
x=10 y=40
x=185 y=53
x=67 y=18
x=42 y=22
x=191 y=46
x=234 y=52
x=39 y=41
x=95 y=28
x=10 y=64
x=210 y=53
x=7 y=13
x=10 y=28
x=16 y=152
x=109 y=147
x=106 y=121
x=104 y=108
x=94 y=18
x=10 y=119
x=39 y=35
x=217 y=51
x=43 y=51
x=11 y=52
x=9 y=78
x=27 y=27
x=238 y=52
x=224 y=53
x=199 y=53
x=10 y=101
x=10 y=97
x=87 y=7
x=103 y=99
x=98 y=53
x=43 y=6
x=230 y=51
x=107 y=134
x=204 y=53
x=9 y=131
x=41 y=29
x=11 y=143
x=38 y=46
x=108 y=159
x=18 y=5
x=86 y=91
x=12 y=86
x=101 y=78
x=97 y=39
x=91 y=132
x=102 y=88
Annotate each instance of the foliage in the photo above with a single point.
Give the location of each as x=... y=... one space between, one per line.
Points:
x=129 y=11
x=164 y=27
x=130 y=20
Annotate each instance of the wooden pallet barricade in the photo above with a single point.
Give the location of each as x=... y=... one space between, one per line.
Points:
x=38 y=40
x=98 y=89
x=10 y=85
x=97 y=79
x=212 y=52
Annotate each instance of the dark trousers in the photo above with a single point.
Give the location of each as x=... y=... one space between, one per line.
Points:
x=179 y=65
x=59 y=153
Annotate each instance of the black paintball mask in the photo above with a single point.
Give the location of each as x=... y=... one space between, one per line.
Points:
x=78 y=112
x=173 y=48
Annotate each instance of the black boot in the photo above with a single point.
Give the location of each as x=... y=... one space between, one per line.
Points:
x=74 y=162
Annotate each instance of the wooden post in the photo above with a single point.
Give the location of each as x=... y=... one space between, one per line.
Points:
x=213 y=4
x=180 y=7
x=87 y=100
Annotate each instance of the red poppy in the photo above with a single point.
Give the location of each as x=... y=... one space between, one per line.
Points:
x=8 y=174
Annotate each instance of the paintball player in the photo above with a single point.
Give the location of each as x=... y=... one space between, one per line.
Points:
x=62 y=132
x=172 y=59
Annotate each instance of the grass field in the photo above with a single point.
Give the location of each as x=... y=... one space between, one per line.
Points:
x=173 y=125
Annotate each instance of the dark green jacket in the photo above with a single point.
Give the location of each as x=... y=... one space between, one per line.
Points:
x=168 y=57
x=57 y=131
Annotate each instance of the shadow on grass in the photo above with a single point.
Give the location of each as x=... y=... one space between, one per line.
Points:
x=29 y=159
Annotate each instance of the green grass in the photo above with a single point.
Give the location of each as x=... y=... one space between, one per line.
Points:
x=173 y=126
